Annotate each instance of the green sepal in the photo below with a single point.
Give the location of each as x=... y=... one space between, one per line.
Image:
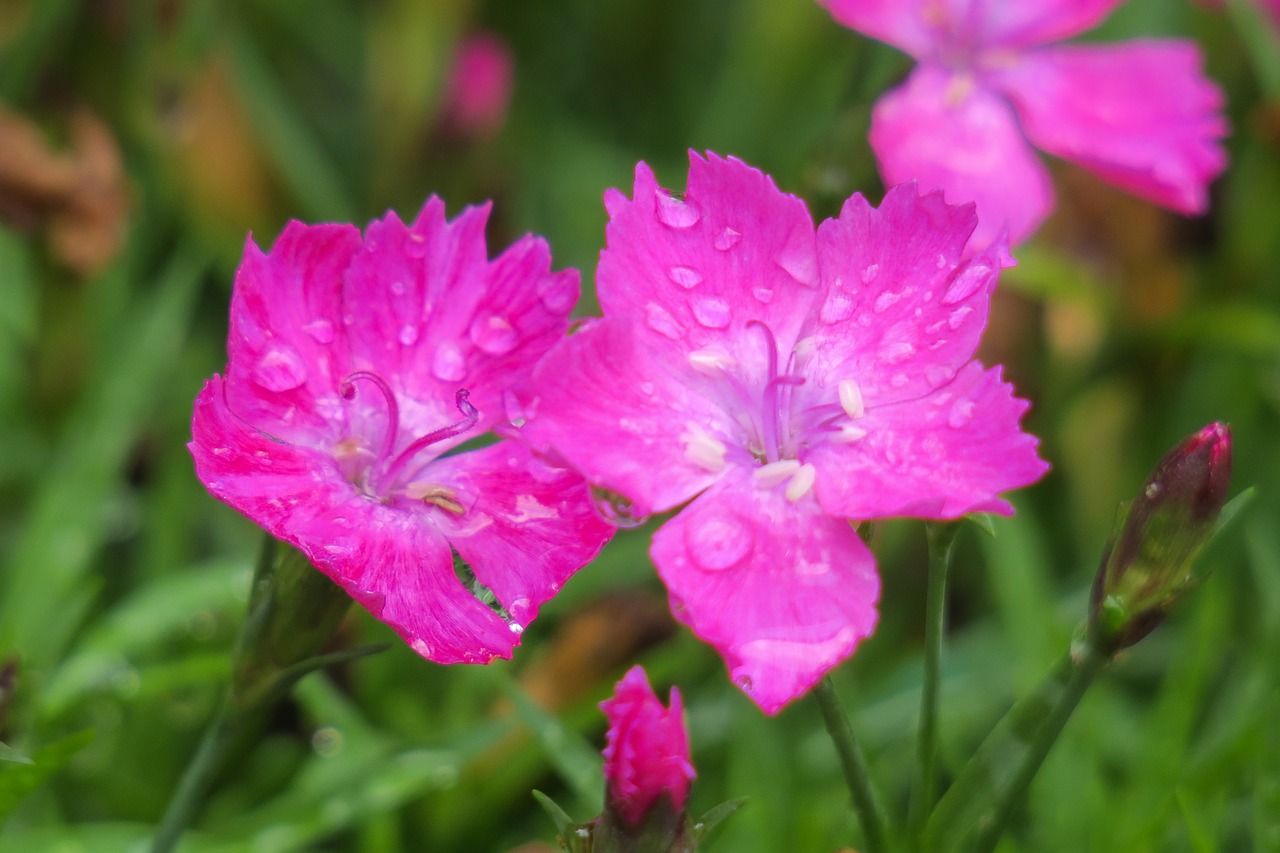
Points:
x=707 y=824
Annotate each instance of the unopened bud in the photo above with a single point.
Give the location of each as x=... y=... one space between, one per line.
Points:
x=1149 y=562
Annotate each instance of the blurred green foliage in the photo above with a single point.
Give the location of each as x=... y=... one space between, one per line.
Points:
x=122 y=583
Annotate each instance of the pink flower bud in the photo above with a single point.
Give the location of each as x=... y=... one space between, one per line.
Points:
x=647 y=752
x=479 y=86
x=1149 y=563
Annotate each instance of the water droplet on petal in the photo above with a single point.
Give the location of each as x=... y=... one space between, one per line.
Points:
x=320 y=330
x=493 y=334
x=942 y=260
x=447 y=364
x=763 y=294
x=961 y=413
x=885 y=301
x=646 y=388
x=800 y=264
x=937 y=374
x=956 y=320
x=408 y=335
x=869 y=274
x=838 y=306
x=416 y=246
x=718 y=542
x=676 y=213
x=727 y=239
x=967 y=281
x=615 y=509
x=892 y=353
x=558 y=293
x=712 y=312
x=280 y=368
x=398 y=287
x=661 y=321
x=686 y=277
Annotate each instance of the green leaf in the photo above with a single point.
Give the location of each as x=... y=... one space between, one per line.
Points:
x=18 y=780
x=563 y=822
x=713 y=818
x=8 y=753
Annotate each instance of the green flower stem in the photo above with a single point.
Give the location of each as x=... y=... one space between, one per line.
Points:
x=866 y=802
x=1088 y=663
x=941 y=539
x=293 y=610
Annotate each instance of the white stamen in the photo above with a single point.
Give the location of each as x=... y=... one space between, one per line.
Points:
x=848 y=433
x=805 y=347
x=770 y=475
x=705 y=451
x=711 y=362
x=851 y=398
x=801 y=482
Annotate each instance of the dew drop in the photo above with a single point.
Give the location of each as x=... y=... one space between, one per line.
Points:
x=408 y=335
x=717 y=542
x=934 y=328
x=646 y=388
x=398 y=287
x=661 y=321
x=686 y=277
x=961 y=413
x=967 y=281
x=727 y=239
x=1152 y=490
x=941 y=260
x=675 y=213
x=869 y=274
x=838 y=306
x=320 y=330
x=558 y=293
x=447 y=364
x=895 y=352
x=885 y=301
x=937 y=374
x=615 y=509
x=280 y=368
x=712 y=312
x=956 y=320
x=416 y=246
x=762 y=293
x=493 y=334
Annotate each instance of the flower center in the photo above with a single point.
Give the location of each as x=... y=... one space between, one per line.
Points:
x=382 y=474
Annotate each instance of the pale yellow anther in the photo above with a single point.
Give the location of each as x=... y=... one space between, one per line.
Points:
x=770 y=475
x=705 y=451
x=711 y=362
x=801 y=482
x=851 y=398
x=848 y=433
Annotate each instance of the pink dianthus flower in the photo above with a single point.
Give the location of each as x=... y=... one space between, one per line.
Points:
x=354 y=366
x=646 y=755
x=1141 y=115
x=783 y=382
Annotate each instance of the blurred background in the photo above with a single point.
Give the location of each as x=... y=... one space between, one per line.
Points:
x=141 y=140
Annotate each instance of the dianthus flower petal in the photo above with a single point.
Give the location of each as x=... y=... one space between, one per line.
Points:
x=910 y=25
x=783 y=592
x=1027 y=23
x=428 y=307
x=646 y=754
x=526 y=526
x=624 y=410
x=948 y=453
x=395 y=563
x=285 y=346
x=697 y=269
x=943 y=129
x=1140 y=115
x=903 y=308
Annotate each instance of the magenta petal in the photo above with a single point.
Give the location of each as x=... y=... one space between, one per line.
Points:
x=911 y=25
x=428 y=307
x=646 y=754
x=527 y=526
x=396 y=564
x=1140 y=115
x=620 y=409
x=948 y=453
x=697 y=269
x=903 y=309
x=285 y=345
x=948 y=133
x=783 y=592
x=1026 y=23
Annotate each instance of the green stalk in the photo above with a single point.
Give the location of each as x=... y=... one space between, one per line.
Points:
x=941 y=539
x=866 y=802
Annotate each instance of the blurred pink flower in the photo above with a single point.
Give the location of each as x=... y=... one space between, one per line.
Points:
x=479 y=86
x=646 y=755
x=354 y=366
x=989 y=84
x=786 y=382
